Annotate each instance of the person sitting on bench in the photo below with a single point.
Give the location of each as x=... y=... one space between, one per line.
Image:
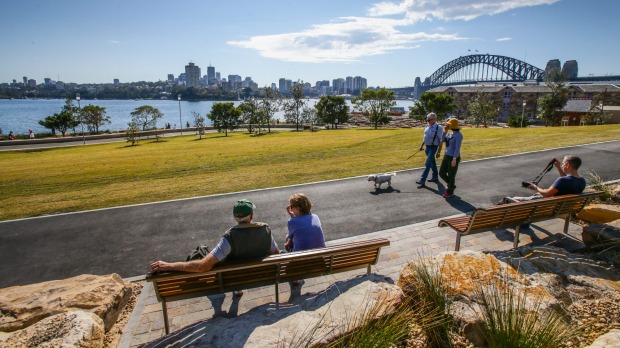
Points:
x=569 y=181
x=246 y=240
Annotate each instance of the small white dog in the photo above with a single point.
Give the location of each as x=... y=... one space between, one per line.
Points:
x=381 y=178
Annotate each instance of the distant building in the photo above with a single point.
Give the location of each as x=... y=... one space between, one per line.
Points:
x=553 y=64
x=170 y=77
x=25 y=80
x=117 y=82
x=273 y=86
x=47 y=80
x=211 y=79
x=192 y=75
x=348 y=85
x=32 y=83
x=570 y=69
x=282 y=85
x=338 y=85
x=218 y=77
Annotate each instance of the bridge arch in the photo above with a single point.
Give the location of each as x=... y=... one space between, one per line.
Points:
x=484 y=67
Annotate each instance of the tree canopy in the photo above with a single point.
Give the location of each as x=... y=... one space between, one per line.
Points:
x=94 y=117
x=294 y=106
x=550 y=103
x=225 y=117
x=332 y=108
x=64 y=120
x=439 y=103
x=482 y=109
x=146 y=116
x=375 y=104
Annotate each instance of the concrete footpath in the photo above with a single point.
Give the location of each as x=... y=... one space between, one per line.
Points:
x=407 y=243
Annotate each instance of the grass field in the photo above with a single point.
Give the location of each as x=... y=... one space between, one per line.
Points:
x=49 y=181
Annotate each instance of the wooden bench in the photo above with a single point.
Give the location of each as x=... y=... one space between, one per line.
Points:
x=515 y=214
x=272 y=270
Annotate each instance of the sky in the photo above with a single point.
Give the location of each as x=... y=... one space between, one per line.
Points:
x=390 y=43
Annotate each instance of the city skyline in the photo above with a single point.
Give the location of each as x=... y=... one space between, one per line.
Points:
x=389 y=43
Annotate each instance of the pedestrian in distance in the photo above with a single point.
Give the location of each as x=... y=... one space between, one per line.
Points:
x=433 y=134
x=246 y=240
x=30 y=134
x=11 y=136
x=450 y=164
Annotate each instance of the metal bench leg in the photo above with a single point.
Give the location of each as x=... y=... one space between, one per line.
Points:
x=165 y=311
x=515 y=244
x=566 y=223
x=457 y=245
x=277 y=296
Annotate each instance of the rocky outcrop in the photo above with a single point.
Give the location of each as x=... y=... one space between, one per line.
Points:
x=70 y=329
x=22 y=306
x=608 y=340
x=549 y=277
x=600 y=213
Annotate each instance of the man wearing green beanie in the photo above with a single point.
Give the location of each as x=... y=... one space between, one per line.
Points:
x=246 y=240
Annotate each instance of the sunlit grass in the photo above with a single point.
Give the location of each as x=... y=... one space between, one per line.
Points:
x=49 y=181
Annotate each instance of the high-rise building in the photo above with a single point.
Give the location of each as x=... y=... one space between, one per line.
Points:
x=117 y=82
x=348 y=85
x=32 y=83
x=552 y=64
x=47 y=80
x=282 y=85
x=218 y=77
x=192 y=75
x=25 y=80
x=338 y=85
x=211 y=75
x=170 y=77
x=570 y=69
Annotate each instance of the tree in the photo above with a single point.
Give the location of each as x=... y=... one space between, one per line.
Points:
x=309 y=115
x=550 y=103
x=146 y=117
x=517 y=121
x=50 y=123
x=440 y=104
x=250 y=114
x=94 y=117
x=332 y=108
x=482 y=109
x=199 y=123
x=62 y=121
x=375 y=104
x=131 y=134
x=225 y=117
x=269 y=106
x=294 y=106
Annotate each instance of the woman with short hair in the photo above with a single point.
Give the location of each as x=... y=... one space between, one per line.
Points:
x=304 y=228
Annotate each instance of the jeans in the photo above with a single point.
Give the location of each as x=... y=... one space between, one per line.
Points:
x=448 y=173
x=430 y=163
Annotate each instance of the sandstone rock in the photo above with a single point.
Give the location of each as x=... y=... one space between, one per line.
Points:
x=608 y=340
x=70 y=329
x=22 y=306
x=601 y=235
x=600 y=213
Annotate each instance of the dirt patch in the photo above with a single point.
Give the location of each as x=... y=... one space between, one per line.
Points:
x=113 y=336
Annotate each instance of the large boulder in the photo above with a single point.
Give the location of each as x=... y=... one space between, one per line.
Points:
x=549 y=278
x=608 y=340
x=22 y=306
x=600 y=213
x=70 y=329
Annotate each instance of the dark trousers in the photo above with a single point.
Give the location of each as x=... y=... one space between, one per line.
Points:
x=448 y=173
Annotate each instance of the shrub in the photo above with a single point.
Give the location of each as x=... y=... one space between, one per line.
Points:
x=515 y=121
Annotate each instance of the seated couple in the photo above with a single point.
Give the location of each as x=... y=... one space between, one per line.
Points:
x=569 y=182
x=249 y=239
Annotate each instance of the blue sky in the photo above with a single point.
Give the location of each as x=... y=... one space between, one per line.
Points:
x=389 y=43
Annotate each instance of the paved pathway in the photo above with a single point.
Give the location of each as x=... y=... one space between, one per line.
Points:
x=407 y=243
x=125 y=240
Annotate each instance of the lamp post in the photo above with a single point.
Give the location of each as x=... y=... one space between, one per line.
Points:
x=77 y=97
x=523 y=113
x=498 y=114
x=180 y=121
x=336 y=123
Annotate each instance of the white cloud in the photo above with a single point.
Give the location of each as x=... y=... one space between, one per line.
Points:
x=113 y=42
x=418 y=10
x=503 y=39
x=348 y=40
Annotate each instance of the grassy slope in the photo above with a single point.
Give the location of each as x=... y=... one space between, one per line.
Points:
x=79 y=178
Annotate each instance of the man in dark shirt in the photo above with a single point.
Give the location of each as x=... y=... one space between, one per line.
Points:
x=569 y=181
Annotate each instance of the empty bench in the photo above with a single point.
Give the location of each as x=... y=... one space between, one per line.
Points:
x=516 y=214
x=271 y=270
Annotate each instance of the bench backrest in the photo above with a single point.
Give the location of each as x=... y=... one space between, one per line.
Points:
x=173 y=286
x=526 y=212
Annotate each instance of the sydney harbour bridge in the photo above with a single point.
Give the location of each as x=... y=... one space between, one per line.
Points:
x=488 y=68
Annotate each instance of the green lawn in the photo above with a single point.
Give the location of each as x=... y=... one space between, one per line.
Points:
x=50 y=181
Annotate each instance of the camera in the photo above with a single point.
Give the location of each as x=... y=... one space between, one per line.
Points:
x=526 y=184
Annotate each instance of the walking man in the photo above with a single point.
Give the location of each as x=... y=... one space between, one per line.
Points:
x=432 y=138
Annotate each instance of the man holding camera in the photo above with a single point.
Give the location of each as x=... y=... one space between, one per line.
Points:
x=569 y=181
x=432 y=137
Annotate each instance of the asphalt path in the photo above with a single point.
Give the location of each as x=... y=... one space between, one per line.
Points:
x=125 y=240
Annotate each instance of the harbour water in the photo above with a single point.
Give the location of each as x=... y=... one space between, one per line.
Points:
x=20 y=115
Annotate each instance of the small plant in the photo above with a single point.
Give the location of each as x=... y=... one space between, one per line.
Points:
x=517 y=121
x=132 y=132
x=595 y=182
x=508 y=322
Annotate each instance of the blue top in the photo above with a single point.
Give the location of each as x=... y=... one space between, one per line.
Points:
x=306 y=232
x=453 y=143
x=433 y=134
x=569 y=184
